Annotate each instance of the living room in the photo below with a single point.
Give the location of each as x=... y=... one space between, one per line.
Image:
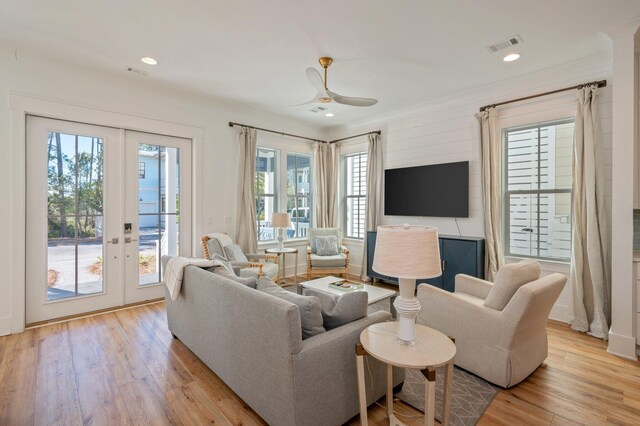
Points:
x=87 y=70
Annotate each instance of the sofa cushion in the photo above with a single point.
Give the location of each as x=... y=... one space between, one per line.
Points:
x=341 y=309
x=508 y=280
x=234 y=253
x=327 y=246
x=221 y=270
x=309 y=306
x=337 y=261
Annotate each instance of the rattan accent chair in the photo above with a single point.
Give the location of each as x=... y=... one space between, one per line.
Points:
x=326 y=265
x=256 y=265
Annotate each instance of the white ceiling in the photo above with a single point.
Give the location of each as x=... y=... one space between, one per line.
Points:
x=255 y=51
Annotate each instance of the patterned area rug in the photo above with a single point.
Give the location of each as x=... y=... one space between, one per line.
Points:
x=470 y=395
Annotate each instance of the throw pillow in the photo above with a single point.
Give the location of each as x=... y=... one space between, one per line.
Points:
x=508 y=280
x=223 y=271
x=327 y=246
x=309 y=306
x=341 y=309
x=234 y=253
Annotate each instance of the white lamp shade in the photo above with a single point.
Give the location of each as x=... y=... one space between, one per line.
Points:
x=407 y=251
x=280 y=220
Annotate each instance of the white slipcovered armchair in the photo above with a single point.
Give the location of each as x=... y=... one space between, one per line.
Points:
x=251 y=265
x=500 y=328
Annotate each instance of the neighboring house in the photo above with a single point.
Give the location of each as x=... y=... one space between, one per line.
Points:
x=149 y=198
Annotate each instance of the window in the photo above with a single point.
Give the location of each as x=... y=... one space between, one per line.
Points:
x=538 y=185
x=299 y=193
x=266 y=191
x=142 y=169
x=355 y=190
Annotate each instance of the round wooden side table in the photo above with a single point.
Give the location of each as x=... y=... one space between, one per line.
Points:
x=431 y=349
x=284 y=252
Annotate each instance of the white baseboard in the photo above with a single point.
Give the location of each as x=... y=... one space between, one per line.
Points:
x=622 y=346
x=559 y=313
x=5 y=326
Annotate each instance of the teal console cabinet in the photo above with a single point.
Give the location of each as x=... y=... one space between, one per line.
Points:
x=460 y=255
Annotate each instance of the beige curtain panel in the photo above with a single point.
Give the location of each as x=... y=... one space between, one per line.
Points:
x=325 y=185
x=589 y=276
x=246 y=221
x=491 y=169
x=374 y=193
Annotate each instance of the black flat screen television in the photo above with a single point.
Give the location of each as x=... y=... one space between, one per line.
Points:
x=440 y=190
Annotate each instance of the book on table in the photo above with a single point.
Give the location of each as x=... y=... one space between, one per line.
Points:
x=343 y=285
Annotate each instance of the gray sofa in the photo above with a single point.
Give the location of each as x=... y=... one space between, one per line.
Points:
x=253 y=342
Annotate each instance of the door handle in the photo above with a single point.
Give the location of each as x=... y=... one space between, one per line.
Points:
x=127 y=240
x=113 y=241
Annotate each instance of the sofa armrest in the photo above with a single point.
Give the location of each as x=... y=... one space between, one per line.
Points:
x=309 y=250
x=473 y=286
x=324 y=372
x=344 y=249
x=320 y=341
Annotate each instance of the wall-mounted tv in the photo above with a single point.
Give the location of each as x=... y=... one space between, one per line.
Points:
x=440 y=190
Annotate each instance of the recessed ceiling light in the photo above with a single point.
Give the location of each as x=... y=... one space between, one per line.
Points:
x=329 y=114
x=148 y=60
x=511 y=57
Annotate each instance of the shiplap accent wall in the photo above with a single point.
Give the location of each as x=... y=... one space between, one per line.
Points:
x=446 y=130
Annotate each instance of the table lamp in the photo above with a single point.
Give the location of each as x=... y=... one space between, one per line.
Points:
x=282 y=222
x=408 y=252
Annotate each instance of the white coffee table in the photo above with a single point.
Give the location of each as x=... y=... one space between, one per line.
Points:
x=375 y=294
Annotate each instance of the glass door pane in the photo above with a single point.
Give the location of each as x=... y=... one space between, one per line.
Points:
x=158 y=209
x=75 y=199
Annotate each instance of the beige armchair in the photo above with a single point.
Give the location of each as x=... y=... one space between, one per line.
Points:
x=499 y=329
x=245 y=265
x=326 y=265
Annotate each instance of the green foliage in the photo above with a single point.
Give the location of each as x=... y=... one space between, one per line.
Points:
x=75 y=187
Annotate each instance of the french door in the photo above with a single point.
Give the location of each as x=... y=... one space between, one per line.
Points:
x=103 y=206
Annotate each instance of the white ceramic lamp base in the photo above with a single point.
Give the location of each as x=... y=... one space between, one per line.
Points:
x=407 y=307
x=280 y=238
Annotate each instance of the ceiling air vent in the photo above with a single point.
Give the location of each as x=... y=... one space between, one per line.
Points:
x=511 y=41
x=137 y=71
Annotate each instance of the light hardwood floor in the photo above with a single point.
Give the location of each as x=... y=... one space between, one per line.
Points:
x=124 y=368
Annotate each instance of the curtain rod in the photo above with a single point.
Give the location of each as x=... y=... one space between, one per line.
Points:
x=599 y=83
x=377 y=132
x=232 y=124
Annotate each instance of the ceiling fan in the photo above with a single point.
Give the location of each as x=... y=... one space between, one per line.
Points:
x=325 y=95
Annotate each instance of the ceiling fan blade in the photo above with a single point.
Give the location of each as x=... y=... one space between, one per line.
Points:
x=312 y=101
x=349 y=100
x=315 y=79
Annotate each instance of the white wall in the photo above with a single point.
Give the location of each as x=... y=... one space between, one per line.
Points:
x=446 y=130
x=140 y=97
